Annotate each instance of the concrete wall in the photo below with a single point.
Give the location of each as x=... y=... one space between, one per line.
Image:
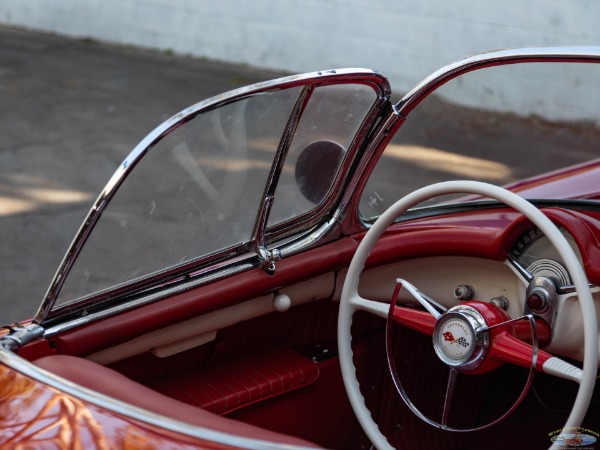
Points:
x=406 y=40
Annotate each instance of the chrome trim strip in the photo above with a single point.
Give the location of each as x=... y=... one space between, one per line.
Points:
x=380 y=137
x=309 y=240
x=194 y=268
x=150 y=298
x=496 y=58
x=267 y=257
x=244 y=263
x=30 y=370
x=138 y=152
x=20 y=335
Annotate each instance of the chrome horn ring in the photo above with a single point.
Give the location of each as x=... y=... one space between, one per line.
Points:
x=461 y=340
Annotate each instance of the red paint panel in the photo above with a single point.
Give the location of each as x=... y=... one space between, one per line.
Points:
x=50 y=419
x=576 y=182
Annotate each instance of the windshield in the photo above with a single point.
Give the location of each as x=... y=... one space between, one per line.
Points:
x=498 y=125
x=195 y=193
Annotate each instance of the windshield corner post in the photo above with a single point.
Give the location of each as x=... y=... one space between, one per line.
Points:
x=267 y=257
x=20 y=335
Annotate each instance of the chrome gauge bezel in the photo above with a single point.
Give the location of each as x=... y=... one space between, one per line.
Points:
x=561 y=275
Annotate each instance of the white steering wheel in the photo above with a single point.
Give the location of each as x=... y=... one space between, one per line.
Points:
x=352 y=302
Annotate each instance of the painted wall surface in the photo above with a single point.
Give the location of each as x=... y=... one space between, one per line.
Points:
x=405 y=40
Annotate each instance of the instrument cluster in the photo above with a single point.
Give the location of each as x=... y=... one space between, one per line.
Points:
x=535 y=256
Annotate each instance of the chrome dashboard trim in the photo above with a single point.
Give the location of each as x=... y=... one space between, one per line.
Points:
x=546 y=289
x=567 y=289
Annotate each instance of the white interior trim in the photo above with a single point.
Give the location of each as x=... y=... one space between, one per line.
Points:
x=190 y=333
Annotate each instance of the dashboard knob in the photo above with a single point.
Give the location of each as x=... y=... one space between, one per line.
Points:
x=541 y=298
x=541 y=295
x=501 y=302
x=282 y=302
x=464 y=292
x=537 y=300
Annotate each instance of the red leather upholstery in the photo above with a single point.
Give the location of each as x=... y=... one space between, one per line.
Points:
x=241 y=381
x=113 y=384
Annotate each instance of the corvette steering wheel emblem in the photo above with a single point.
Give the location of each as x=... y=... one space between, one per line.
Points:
x=459 y=338
x=456 y=347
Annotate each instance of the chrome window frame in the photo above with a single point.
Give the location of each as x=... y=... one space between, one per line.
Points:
x=400 y=111
x=239 y=257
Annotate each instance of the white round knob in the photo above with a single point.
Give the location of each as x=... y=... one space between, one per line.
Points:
x=282 y=302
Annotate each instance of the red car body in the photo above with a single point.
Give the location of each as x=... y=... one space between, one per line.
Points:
x=238 y=349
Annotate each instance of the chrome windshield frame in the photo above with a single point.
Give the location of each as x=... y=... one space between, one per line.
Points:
x=390 y=124
x=574 y=54
x=313 y=78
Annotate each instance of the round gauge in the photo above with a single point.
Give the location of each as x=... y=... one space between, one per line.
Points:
x=534 y=253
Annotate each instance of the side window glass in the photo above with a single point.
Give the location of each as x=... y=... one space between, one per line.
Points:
x=328 y=124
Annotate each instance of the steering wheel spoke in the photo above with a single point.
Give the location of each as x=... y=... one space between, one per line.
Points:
x=509 y=349
x=416 y=320
x=426 y=302
x=448 y=399
x=562 y=369
x=378 y=309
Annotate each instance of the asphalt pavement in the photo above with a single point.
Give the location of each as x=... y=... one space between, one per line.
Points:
x=71 y=111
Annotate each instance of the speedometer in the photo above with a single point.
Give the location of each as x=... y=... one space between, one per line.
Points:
x=536 y=255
